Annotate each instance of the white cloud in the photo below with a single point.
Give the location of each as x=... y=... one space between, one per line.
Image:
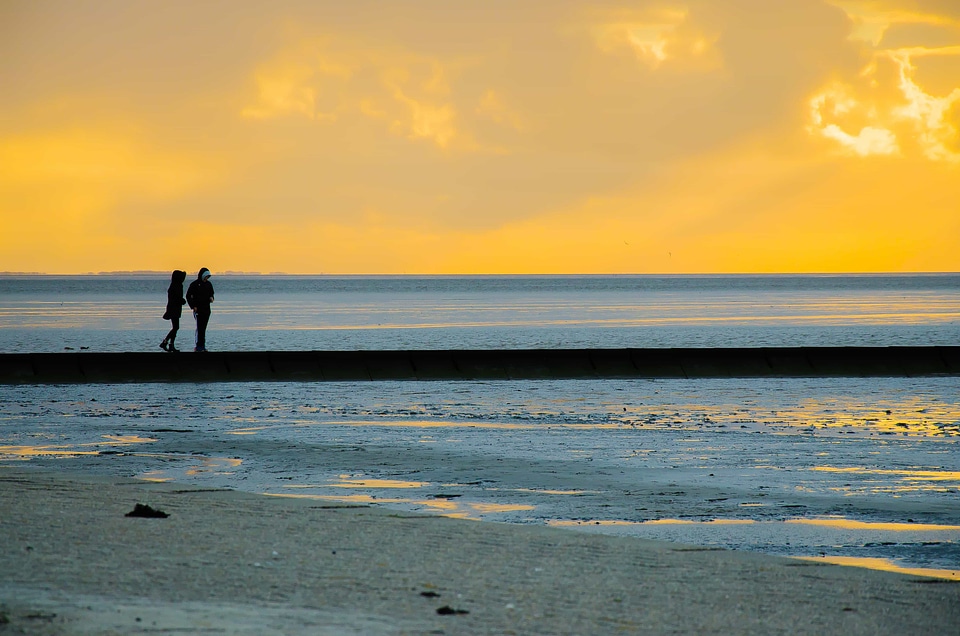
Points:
x=877 y=104
x=928 y=114
x=869 y=141
x=834 y=103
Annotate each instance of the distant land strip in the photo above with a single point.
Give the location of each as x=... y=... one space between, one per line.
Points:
x=478 y=364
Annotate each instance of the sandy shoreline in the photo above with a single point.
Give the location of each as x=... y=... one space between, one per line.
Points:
x=804 y=468
x=232 y=562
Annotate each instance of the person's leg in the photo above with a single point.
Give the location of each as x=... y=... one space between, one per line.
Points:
x=202 y=320
x=172 y=336
x=166 y=340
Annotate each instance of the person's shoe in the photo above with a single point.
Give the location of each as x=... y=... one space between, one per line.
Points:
x=163 y=345
x=173 y=349
x=200 y=350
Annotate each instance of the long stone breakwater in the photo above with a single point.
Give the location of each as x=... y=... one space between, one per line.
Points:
x=507 y=364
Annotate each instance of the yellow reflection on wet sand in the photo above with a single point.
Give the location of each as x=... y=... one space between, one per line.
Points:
x=914 y=416
x=885 y=565
x=120 y=440
x=547 y=492
x=22 y=453
x=365 y=499
x=196 y=466
x=214 y=465
x=378 y=483
x=909 y=480
x=492 y=507
x=566 y=523
x=472 y=511
x=26 y=452
x=907 y=475
x=652 y=522
x=712 y=522
x=155 y=476
x=830 y=522
x=445 y=507
x=510 y=426
x=849 y=524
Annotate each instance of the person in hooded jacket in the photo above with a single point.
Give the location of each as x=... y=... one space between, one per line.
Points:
x=175 y=303
x=199 y=297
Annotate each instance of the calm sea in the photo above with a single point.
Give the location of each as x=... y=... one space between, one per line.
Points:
x=863 y=470
x=123 y=313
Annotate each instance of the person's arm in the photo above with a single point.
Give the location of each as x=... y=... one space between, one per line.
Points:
x=191 y=296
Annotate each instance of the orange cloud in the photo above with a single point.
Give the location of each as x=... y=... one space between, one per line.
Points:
x=322 y=78
x=493 y=107
x=655 y=35
x=872 y=19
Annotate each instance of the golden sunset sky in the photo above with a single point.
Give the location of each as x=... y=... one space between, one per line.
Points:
x=488 y=136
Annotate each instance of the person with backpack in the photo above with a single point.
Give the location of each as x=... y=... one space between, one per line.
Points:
x=199 y=297
x=175 y=303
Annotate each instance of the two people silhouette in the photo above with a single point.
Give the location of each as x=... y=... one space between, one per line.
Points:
x=199 y=297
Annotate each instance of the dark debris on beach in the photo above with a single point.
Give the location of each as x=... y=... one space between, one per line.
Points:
x=146 y=512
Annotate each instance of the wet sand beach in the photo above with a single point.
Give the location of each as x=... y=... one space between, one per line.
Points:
x=859 y=470
x=232 y=562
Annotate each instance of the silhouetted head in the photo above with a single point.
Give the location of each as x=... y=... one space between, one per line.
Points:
x=203 y=274
x=178 y=276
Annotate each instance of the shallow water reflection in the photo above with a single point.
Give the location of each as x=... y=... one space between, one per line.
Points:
x=842 y=540
x=886 y=565
x=190 y=466
x=851 y=524
x=25 y=452
x=444 y=505
x=898 y=480
x=569 y=523
x=350 y=482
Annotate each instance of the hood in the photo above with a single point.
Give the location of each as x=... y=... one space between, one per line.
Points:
x=178 y=276
x=203 y=272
